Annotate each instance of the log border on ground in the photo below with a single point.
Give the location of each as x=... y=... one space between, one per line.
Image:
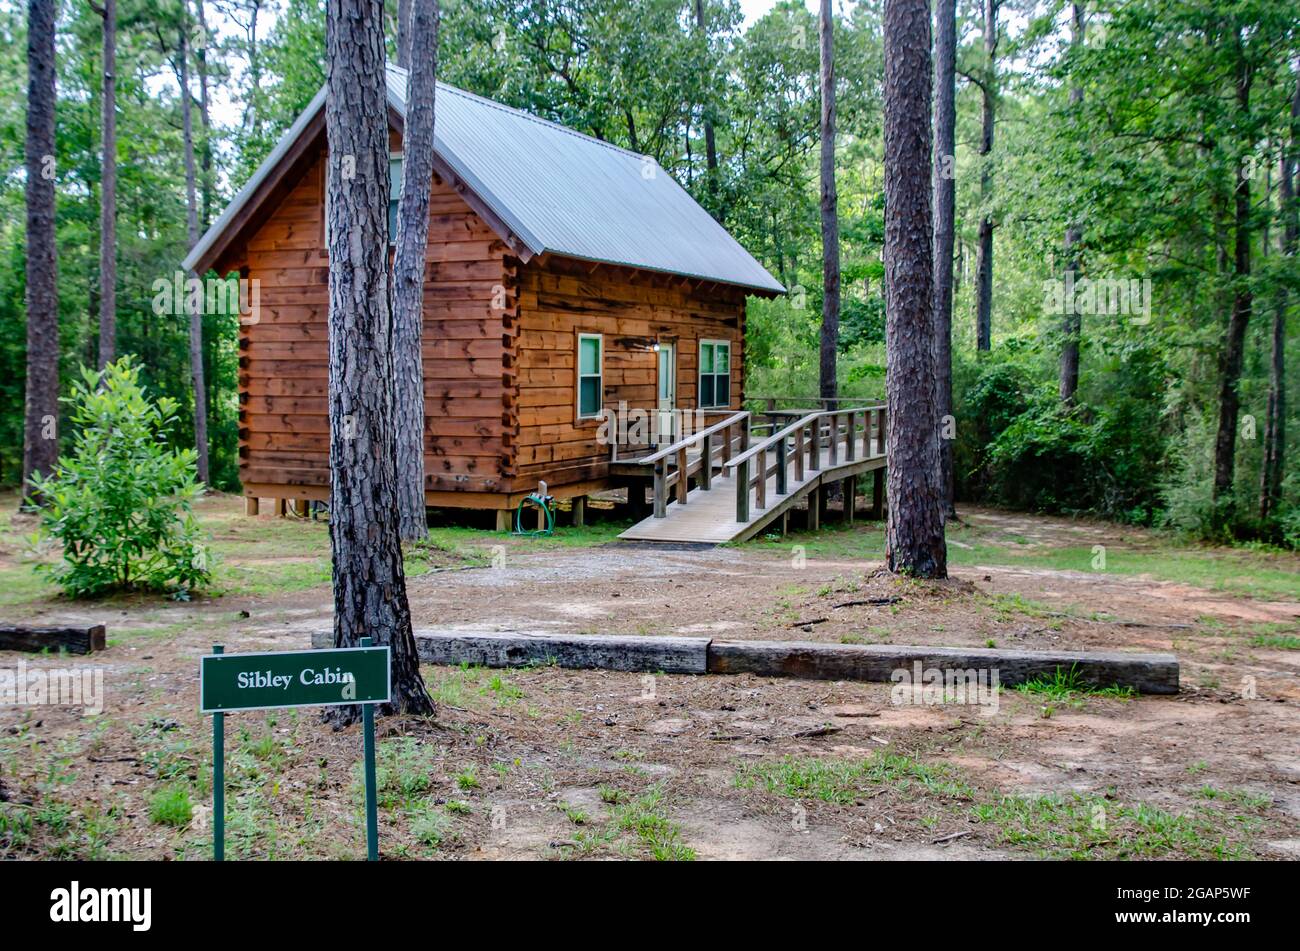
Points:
x=75 y=640
x=648 y=654
x=1145 y=673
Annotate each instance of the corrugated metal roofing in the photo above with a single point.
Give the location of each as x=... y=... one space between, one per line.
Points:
x=570 y=194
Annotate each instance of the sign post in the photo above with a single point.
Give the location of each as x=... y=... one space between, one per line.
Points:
x=218 y=779
x=281 y=679
x=372 y=807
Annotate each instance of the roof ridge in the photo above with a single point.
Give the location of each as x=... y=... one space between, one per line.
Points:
x=523 y=114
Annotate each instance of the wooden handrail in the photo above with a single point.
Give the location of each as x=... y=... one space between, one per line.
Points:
x=687 y=441
x=807 y=452
x=789 y=430
x=767 y=443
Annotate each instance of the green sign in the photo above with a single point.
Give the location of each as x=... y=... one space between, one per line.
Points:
x=311 y=678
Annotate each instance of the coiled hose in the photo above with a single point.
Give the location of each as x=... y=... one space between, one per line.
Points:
x=542 y=502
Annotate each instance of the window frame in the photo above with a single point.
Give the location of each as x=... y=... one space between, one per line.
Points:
x=578 y=376
x=700 y=374
x=394 y=200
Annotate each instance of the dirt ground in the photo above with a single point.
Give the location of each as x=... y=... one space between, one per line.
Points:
x=552 y=763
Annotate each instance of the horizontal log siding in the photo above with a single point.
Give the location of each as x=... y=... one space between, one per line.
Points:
x=559 y=298
x=284 y=358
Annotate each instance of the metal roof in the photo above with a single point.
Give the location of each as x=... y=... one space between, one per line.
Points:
x=560 y=191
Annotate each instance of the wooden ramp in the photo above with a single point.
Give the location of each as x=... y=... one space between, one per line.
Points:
x=822 y=452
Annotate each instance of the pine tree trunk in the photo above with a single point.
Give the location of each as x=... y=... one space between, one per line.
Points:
x=1273 y=469
x=408 y=267
x=369 y=580
x=1234 y=343
x=40 y=437
x=914 y=541
x=404 y=34
x=108 y=195
x=984 y=253
x=710 y=138
x=1072 y=321
x=192 y=229
x=252 y=113
x=945 y=203
x=830 y=336
x=206 y=186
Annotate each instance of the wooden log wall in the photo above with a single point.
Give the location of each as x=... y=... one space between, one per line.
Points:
x=562 y=297
x=468 y=332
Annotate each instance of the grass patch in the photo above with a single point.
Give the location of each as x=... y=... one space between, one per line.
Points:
x=467 y=778
x=1286 y=642
x=846 y=782
x=646 y=819
x=471 y=688
x=636 y=828
x=428 y=824
x=171 y=806
x=404 y=770
x=1068 y=686
x=1092 y=827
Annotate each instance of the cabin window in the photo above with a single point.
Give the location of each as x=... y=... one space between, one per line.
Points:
x=394 y=193
x=715 y=374
x=590 y=382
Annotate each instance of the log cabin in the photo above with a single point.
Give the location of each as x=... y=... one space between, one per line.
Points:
x=565 y=278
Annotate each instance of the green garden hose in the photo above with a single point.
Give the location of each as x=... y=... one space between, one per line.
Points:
x=543 y=502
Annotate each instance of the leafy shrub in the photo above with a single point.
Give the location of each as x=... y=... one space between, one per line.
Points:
x=122 y=503
x=1018 y=446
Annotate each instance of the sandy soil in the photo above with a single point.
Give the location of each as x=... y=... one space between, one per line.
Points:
x=560 y=763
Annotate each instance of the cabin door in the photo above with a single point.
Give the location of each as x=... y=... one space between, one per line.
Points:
x=666 y=430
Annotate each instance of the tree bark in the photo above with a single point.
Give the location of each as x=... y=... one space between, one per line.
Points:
x=1071 y=321
x=252 y=114
x=710 y=138
x=369 y=579
x=192 y=230
x=108 y=194
x=205 y=115
x=830 y=334
x=408 y=267
x=914 y=541
x=1273 y=468
x=1234 y=343
x=984 y=254
x=403 y=43
x=945 y=204
x=40 y=436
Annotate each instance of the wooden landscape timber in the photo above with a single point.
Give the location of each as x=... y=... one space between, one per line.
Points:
x=74 y=640
x=671 y=655
x=806 y=660
x=1144 y=673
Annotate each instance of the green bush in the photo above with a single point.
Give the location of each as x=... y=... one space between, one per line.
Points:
x=1018 y=446
x=122 y=503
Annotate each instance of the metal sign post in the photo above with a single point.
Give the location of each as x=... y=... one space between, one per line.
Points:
x=281 y=679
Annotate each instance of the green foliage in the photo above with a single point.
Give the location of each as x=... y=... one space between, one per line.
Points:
x=121 y=503
x=1144 y=163
x=171 y=806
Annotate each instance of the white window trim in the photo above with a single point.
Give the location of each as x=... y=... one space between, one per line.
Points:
x=699 y=371
x=578 y=375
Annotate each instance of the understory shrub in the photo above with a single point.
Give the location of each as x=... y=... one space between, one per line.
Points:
x=1018 y=446
x=121 y=504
